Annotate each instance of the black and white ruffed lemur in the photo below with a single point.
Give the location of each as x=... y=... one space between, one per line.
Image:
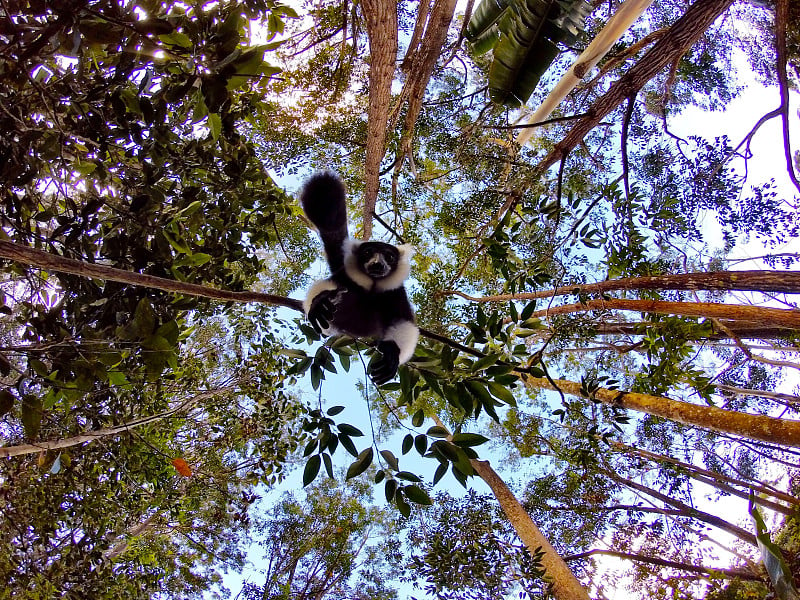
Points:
x=365 y=295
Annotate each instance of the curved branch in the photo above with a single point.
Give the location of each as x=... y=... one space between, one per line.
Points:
x=52 y=262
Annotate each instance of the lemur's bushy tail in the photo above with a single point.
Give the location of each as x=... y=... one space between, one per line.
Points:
x=323 y=200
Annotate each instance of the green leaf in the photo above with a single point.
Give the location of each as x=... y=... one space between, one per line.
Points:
x=31 y=415
x=6 y=401
x=348 y=429
x=334 y=410
x=390 y=489
x=328 y=465
x=402 y=505
x=417 y=494
x=440 y=472
x=469 y=439
x=391 y=459
x=418 y=419
x=771 y=555
x=484 y=19
x=484 y=362
x=348 y=444
x=502 y=393
x=215 y=125
x=176 y=38
x=408 y=443
x=312 y=469
x=438 y=432
x=421 y=443
x=361 y=464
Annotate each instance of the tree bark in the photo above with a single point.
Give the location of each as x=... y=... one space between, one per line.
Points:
x=710 y=571
x=381 y=19
x=786 y=282
x=709 y=474
x=565 y=585
x=757 y=315
x=91 y=436
x=756 y=427
x=61 y=264
x=742 y=331
x=423 y=64
x=690 y=512
x=681 y=36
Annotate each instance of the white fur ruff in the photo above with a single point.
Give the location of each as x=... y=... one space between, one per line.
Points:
x=405 y=335
x=392 y=282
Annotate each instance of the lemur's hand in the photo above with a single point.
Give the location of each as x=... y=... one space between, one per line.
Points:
x=322 y=308
x=384 y=368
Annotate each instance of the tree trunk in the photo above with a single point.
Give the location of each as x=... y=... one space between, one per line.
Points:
x=565 y=585
x=422 y=67
x=756 y=427
x=381 y=19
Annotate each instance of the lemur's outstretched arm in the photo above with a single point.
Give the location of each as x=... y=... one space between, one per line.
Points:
x=323 y=200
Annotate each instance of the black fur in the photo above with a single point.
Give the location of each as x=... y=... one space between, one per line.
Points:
x=364 y=296
x=323 y=201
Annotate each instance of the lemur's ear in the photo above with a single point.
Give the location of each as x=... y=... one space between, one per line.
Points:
x=406 y=251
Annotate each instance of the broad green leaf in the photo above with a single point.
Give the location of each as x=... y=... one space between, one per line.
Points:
x=361 y=464
x=312 y=469
x=417 y=494
x=469 y=439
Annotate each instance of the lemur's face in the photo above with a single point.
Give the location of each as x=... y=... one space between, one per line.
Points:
x=377 y=259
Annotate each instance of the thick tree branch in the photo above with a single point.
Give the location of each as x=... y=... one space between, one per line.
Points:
x=711 y=571
x=52 y=262
x=781 y=14
x=786 y=282
x=784 y=432
x=790 y=319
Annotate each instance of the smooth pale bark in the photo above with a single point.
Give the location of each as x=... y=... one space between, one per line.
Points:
x=758 y=315
x=381 y=19
x=681 y=36
x=786 y=282
x=617 y=25
x=53 y=262
x=755 y=427
x=565 y=585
